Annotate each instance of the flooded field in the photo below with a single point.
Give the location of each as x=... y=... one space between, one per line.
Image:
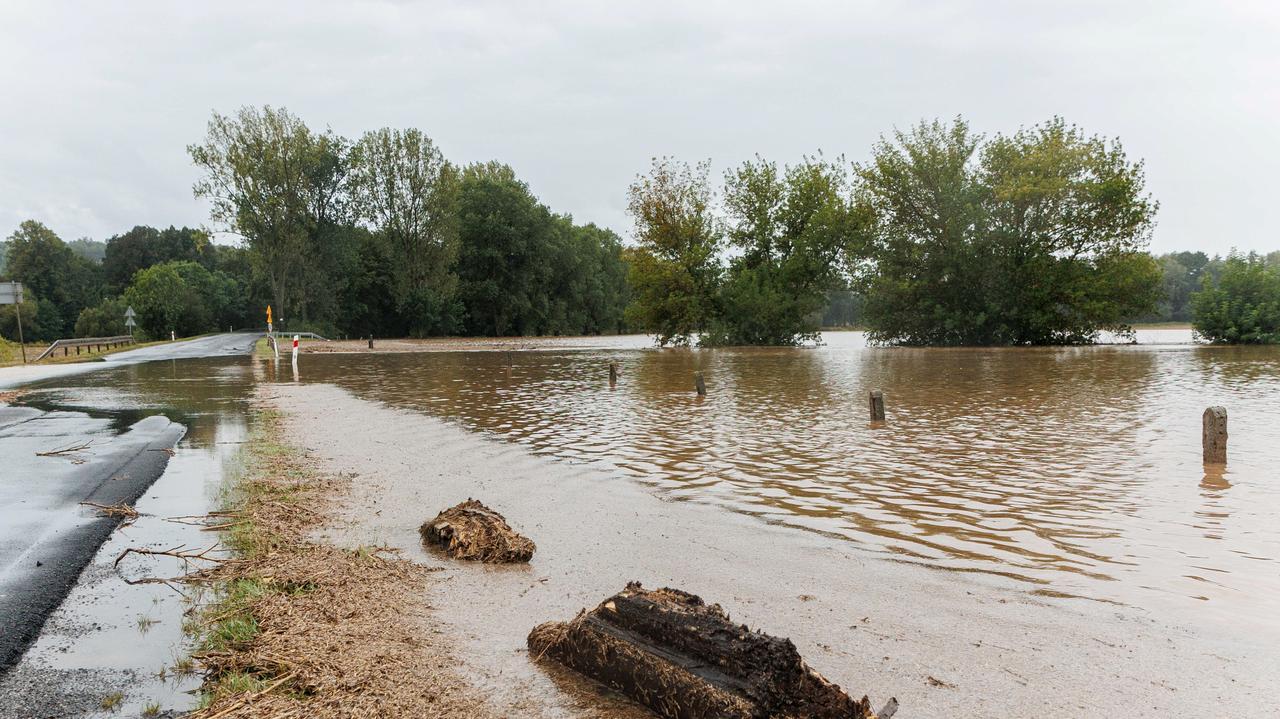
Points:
x=1074 y=470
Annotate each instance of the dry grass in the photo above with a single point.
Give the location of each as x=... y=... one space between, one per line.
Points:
x=300 y=629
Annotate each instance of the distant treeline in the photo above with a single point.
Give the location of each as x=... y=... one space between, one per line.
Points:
x=944 y=237
x=381 y=235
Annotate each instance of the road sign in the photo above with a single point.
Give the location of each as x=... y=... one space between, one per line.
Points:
x=129 y=313
x=10 y=293
x=128 y=322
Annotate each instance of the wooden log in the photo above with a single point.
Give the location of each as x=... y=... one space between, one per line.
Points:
x=613 y=373
x=877 y=405
x=699 y=384
x=473 y=531
x=683 y=659
x=1214 y=435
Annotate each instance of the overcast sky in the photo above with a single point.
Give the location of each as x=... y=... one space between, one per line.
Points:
x=98 y=101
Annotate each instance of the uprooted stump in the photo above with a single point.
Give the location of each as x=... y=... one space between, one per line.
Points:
x=473 y=531
x=683 y=659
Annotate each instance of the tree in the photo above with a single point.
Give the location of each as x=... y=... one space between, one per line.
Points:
x=106 y=319
x=789 y=228
x=276 y=183
x=504 y=242
x=143 y=246
x=91 y=250
x=1022 y=239
x=675 y=268
x=63 y=281
x=1242 y=306
x=408 y=194
x=161 y=298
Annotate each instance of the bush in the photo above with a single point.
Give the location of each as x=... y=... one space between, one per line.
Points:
x=1242 y=306
x=104 y=320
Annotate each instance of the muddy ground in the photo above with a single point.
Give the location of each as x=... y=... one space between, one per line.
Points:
x=942 y=642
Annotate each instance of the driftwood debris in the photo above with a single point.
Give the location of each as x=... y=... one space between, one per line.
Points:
x=473 y=531
x=684 y=659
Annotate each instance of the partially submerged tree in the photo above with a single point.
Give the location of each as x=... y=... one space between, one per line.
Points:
x=675 y=268
x=1032 y=238
x=788 y=228
x=1243 y=305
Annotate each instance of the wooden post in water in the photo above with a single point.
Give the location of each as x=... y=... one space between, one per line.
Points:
x=613 y=373
x=699 y=384
x=877 y=405
x=370 y=341
x=1215 y=435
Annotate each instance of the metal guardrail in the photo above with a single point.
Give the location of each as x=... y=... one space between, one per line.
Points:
x=90 y=342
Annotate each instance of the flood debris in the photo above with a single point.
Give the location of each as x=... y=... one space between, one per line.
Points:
x=120 y=510
x=685 y=659
x=473 y=531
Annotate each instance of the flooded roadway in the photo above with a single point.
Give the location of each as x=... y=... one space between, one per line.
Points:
x=1075 y=471
x=108 y=635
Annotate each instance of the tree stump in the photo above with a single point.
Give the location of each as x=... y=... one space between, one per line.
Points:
x=683 y=659
x=699 y=384
x=877 y=406
x=1214 y=436
x=613 y=373
x=473 y=531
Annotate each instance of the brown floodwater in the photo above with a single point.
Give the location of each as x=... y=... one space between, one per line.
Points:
x=1076 y=471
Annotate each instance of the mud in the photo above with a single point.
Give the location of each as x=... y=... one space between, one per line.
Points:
x=472 y=531
x=943 y=642
x=685 y=659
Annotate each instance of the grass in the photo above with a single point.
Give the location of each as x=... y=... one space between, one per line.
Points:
x=112 y=701
x=10 y=355
x=151 y=710
x=292 y=627
x=146 y=623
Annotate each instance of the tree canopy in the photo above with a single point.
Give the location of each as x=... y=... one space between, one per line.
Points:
x=1032 y=238
x=1242 y=305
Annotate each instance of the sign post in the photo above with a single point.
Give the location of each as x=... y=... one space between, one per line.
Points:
x=11 y=294
x=129 y=314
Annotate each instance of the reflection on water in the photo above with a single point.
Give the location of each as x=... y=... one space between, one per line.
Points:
x=1075 y=469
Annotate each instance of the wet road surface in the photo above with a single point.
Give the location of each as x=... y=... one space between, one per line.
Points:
x=220 y=345
x=53 y=458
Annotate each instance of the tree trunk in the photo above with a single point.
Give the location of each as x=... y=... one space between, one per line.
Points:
x=669 y=651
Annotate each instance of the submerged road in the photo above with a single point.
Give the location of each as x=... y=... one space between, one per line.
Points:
x=46 y=535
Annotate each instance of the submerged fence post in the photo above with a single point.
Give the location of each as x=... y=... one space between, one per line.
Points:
x=699 y=384
x=613 y=373
x=1215 y=435
x=877 y=405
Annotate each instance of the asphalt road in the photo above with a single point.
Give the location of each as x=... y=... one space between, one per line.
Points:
x=46 y=536
x=219 y=345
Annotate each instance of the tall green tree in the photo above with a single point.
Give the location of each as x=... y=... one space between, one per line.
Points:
x=63 y=281
x=1242 y=306
x=504 y=257
x=407 y=192
x=1032 y=238
x=143 y=246
x=675 y=268
x=279 y=185
x=788 y=228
